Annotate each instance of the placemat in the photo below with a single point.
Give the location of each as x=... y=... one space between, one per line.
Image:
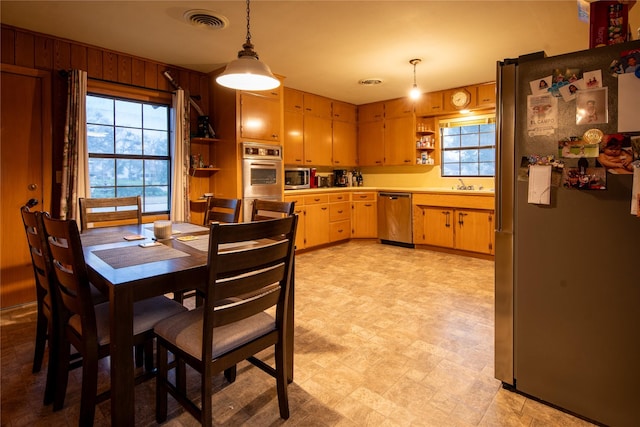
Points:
x=103 y=238
x=200 y=243
x=135 y=255
x=182 y=227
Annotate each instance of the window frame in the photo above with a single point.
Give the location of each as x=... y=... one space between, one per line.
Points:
x=137 y=95
x=484 y=119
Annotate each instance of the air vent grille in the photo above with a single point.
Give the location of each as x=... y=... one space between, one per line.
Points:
x=206 y=19
x=369 y=82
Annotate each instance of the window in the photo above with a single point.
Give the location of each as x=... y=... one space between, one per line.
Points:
x=469 y=147
x=128 y=144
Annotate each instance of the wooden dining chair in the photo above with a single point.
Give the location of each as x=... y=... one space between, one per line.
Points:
x=47 y=321
x=222 y=210
x=215 y=337
x=269 y=209
x=98 y=210
x=86 y=326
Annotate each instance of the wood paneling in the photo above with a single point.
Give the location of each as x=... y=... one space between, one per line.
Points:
x=61 y=55
x=43 y=53
x=94 y=63
x=78 y=57
x=24 y=50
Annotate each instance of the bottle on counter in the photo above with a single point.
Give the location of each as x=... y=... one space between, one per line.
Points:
x=360 y=179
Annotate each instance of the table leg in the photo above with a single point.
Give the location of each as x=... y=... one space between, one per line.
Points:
x=122 y=369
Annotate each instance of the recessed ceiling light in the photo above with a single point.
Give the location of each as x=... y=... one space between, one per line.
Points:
x=369 y=82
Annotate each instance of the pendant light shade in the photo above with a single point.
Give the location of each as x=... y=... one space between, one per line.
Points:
x=248 y=72
x=414 y=93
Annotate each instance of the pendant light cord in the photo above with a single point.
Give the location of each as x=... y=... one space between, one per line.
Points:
x=248 y=23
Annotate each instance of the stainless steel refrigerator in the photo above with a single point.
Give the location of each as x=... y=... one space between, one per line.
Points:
x=567 y=273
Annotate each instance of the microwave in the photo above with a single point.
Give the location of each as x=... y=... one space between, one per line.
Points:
x=297 y=178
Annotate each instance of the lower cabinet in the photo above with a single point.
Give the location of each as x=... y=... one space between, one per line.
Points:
x=463 y=229
x=298 y=210
x=364 y=218
x=317 y=220
x=339 y=217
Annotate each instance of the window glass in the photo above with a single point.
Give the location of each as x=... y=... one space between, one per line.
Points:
x=468 y=147
x=129 y=150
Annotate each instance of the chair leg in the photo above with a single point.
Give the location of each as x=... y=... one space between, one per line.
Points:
x=41 y=339
x=52 y=369
x=230 y=373
x=148 y=356
x=88 y=399
x=206 y=413
x=161 y=386
x=281 y=381
x=62 y=373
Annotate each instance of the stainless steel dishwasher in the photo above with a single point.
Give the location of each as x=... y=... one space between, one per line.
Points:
x=394 y=219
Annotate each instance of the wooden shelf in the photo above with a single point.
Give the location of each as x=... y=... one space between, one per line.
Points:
x=193 y=171
x=205 y=140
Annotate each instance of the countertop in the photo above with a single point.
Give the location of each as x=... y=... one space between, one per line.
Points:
x=414 y=190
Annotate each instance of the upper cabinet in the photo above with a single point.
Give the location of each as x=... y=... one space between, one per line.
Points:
x=474 y=97
x=345 y=134
x=293 y=127
x=487 y=95
x=260 y=116
x=430 y=104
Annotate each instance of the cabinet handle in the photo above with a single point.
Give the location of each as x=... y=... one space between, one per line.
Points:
x=324 y=209
x=446 y=220
x=316 y=200
x=461 y=216
x=340 y=211
x=368 y=205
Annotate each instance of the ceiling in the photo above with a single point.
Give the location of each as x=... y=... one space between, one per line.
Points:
x=325 y=47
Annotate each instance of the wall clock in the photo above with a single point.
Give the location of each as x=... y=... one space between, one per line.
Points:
x=460 y=98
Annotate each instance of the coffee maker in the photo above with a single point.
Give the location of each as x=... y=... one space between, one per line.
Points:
x=340 y=178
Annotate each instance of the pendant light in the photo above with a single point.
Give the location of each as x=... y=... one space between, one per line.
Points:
x=414 y=93
x=247 y=72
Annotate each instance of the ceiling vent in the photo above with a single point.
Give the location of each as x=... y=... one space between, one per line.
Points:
x=206 y=19
x=369 y=82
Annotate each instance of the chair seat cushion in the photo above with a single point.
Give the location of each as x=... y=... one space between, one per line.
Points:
x=184 y=330
x=146 y=314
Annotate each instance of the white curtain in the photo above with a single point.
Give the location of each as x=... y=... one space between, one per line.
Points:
x=180 y=147
x=75 y=166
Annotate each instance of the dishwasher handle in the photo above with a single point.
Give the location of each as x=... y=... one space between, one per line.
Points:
x=395 y=196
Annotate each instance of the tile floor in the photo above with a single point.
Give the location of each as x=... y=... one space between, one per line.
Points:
x=385 y=336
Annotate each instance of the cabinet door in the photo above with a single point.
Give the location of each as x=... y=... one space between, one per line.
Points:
x=260 y=117
x=399 y=141
x=298 y=210
x=474 y=230
x=371 y=112
x=400 y=107
x=317 y=105
x=345 y=144
x=371 y=143
x=487 y=95
x=317 y=140
x=364 y=221
x=293 y=100
x=293 y=138
x=317 y=222
x=429 y=104
x=344 y=112
x=438 y=226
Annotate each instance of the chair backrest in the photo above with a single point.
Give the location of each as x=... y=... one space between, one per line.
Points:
x=40 y=258
x=269 y=209
x=109 y=209
x=63 y=239
x=222 y=210
x=252 y=277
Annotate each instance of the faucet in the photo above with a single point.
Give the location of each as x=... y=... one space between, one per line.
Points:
x=462 y=185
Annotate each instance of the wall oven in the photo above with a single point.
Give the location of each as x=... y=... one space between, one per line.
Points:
x=261 y=174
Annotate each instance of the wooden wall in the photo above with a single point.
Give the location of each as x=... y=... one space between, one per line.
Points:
x=41 y=51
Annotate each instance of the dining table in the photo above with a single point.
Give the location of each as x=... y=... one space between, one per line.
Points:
x=128 y=264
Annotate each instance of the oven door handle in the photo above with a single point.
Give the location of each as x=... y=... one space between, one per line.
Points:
x=263 y=164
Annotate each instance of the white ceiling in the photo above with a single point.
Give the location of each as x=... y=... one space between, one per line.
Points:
x=325 y=47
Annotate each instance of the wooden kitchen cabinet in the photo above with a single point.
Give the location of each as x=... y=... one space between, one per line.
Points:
x=293 y=138
x=430 y=104
x=371 y=143
x=201 y=179
x=260 y=116
x=462 y=229
x=364 y=216
x=399 y=141
x=344 y=112
x=474 y=231
x=317 y=220
x=345 y=140
x=299 y=210
x=400 y=107
x=316 y=105
x=317 y=140
x=339 y=217
x=486 y=95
